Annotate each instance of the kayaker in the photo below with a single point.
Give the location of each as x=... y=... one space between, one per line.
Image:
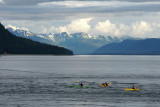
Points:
x=105 y=84
x=133 y=87
x=81 y=84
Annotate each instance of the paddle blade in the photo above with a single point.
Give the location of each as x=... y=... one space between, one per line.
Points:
x=110 y=83
x=77 y=81
x=127 y=89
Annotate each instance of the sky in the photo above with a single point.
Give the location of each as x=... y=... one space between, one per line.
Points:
x=136 y=18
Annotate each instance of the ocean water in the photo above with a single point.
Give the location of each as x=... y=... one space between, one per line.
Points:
x=42 y=81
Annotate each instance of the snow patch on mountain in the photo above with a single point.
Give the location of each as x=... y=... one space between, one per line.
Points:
x=16 y=28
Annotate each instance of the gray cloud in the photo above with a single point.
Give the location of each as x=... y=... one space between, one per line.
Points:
x=40 y=14
x=35 y=2
x=62 y=12
x=23 y=2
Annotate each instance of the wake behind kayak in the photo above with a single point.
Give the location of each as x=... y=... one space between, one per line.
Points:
x=78 y=86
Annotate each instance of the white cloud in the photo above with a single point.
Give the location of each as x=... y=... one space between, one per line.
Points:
x=51 y=29
x=107 y=28
x=123 y=29
x=136 y=29
x=156 y=25
x=112 y=29
x=41 y=27
x=141 y=28
x=61 y=29
x=79 y=25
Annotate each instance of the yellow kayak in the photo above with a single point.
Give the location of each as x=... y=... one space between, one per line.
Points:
x=103 y=85
x=130 y=89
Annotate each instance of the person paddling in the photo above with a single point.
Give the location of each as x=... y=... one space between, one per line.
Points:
x=105 y=84
x=81 y=84
x=133 y=87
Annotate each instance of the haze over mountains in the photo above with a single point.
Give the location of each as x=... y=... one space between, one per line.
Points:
x=79 y=43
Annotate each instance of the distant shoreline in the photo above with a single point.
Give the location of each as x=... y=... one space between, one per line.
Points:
x=125 y=54
x=33 y=55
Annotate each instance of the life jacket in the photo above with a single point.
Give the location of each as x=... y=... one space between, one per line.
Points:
x=105 y=84
x=81 y=84
x=133 y=87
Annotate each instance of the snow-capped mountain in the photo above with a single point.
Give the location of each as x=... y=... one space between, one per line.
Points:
x=79 y=43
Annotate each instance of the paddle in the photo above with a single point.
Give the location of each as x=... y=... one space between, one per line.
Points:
x=77 y=81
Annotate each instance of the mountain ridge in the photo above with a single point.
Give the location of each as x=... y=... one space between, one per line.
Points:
x=149 y=46
x=12 y=44
x=79 y=43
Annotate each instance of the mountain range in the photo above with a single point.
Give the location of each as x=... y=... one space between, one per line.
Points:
x=79 y=43
x=83 y=43
x=12 y=44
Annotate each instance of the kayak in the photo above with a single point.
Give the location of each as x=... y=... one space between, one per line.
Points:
x=103 y=85
x=130 y=89
x=80 y=86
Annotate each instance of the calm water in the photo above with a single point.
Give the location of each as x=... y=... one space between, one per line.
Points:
x=41 y=81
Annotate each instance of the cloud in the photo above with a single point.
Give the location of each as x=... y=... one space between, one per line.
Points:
x=79 y=25
x=76 y=9
x=84 y=3
x=123 y=16
x=24 y=2
x=61 y=29
x=36 y=2
x=123 y=29
x=156 y=25
x=135 y=29
x=107 y=27
x=141 y=28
